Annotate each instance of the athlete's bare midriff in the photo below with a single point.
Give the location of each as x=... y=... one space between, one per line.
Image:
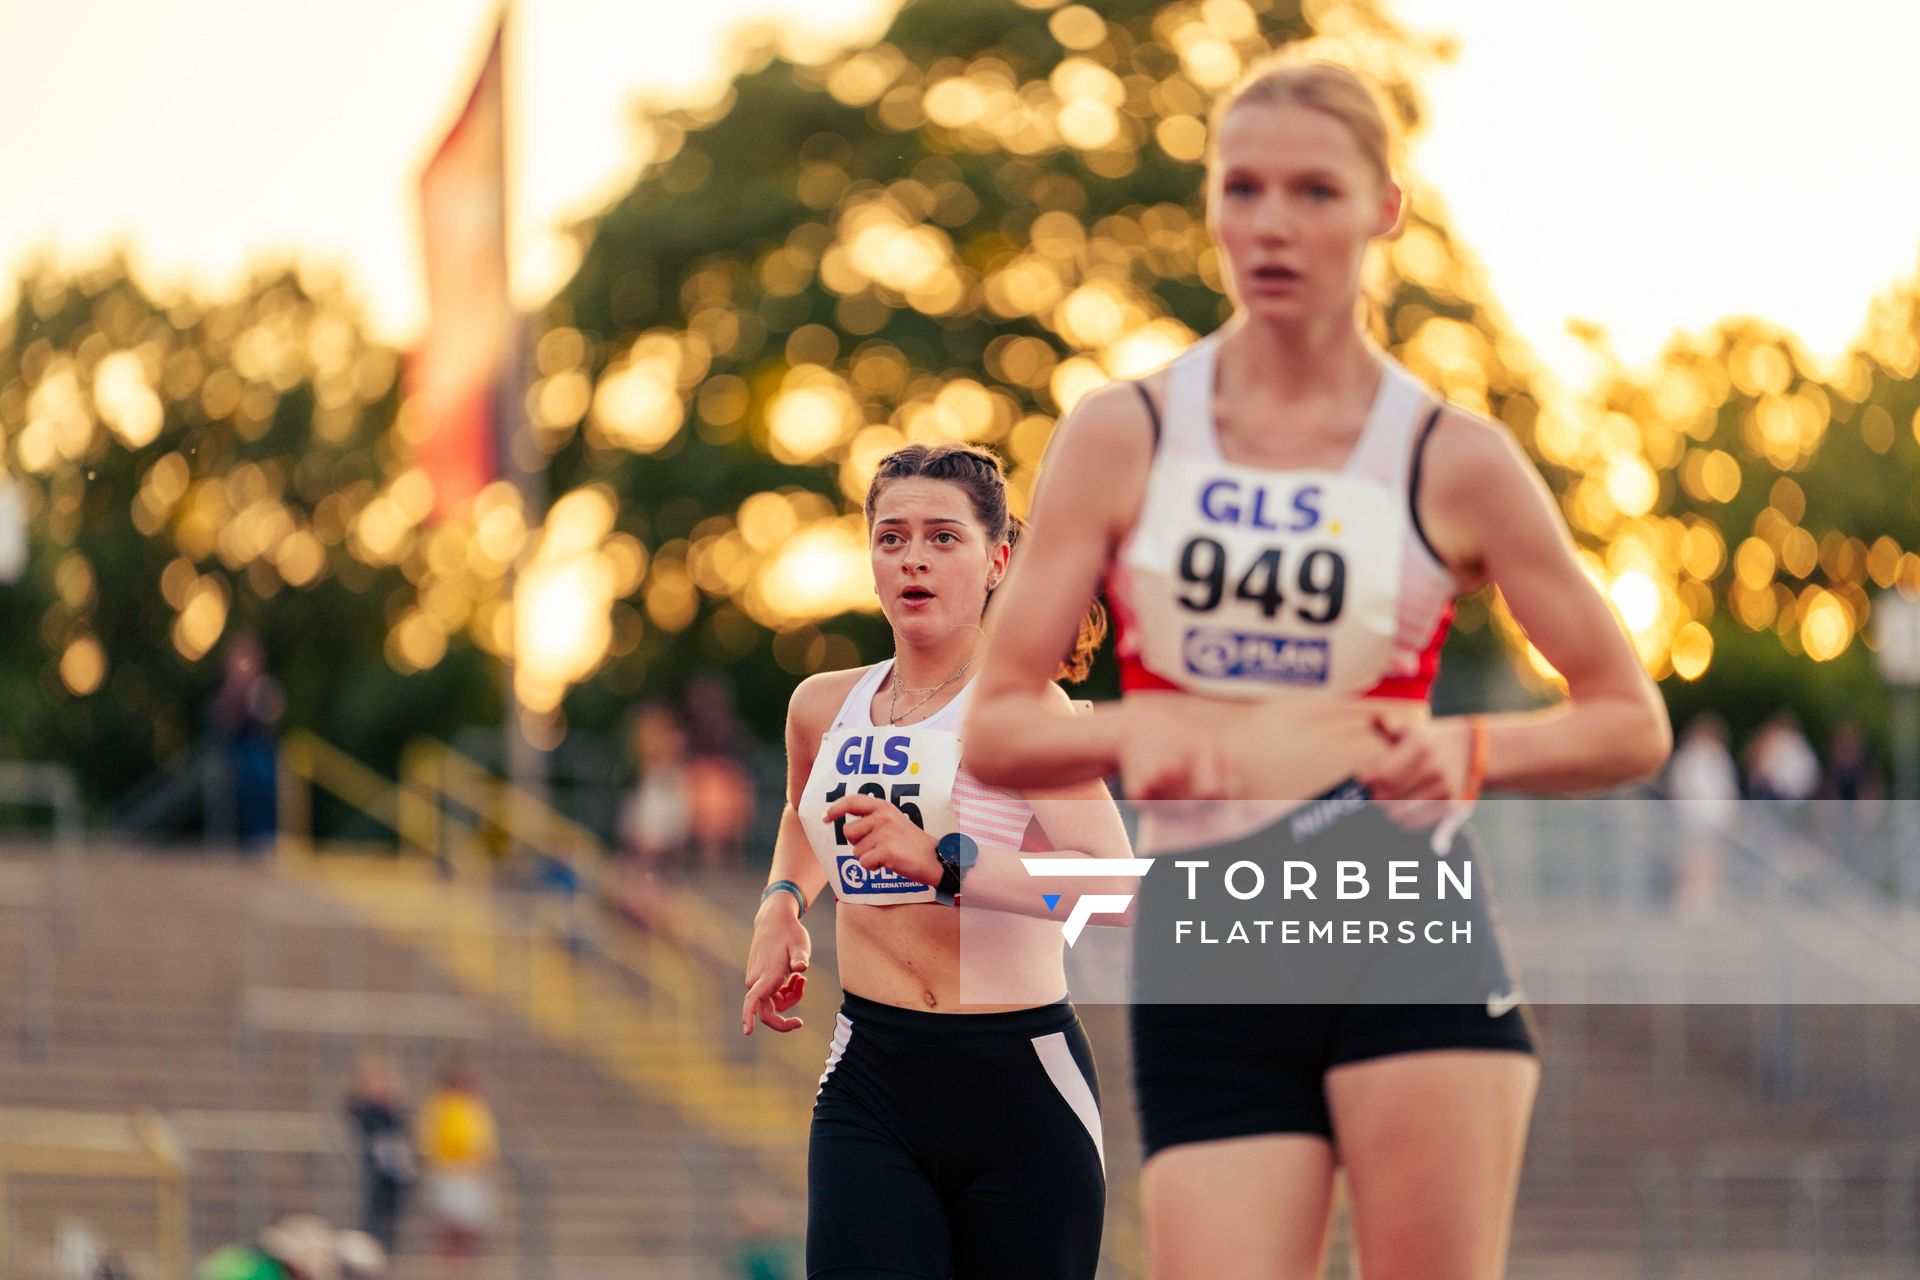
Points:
x=911 y=956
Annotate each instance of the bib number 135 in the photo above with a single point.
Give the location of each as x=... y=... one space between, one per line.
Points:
x=901 y=799
x=1318 y=583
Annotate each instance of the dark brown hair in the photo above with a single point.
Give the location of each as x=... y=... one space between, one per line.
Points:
x=983 y=477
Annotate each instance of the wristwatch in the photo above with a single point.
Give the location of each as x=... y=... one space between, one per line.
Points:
x=957 y=854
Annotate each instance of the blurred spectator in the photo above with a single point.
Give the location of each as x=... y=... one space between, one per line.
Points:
x=361 y=1256
x=720 y=782
x=460 y=1149
x=246 y=709
x=656 y=821
x=1781 y=765
x=239 y=1262
x=1852 y=772
x=305 y=1246
x=1705 y=789
x=299 y=1247
x=763 y=1221
x=1854 y=779
x=388 y=1163
x=76 y=1252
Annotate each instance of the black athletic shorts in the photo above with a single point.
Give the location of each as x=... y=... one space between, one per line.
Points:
x=1205 y=1069
x=956 y=1146
x=1203 y=1072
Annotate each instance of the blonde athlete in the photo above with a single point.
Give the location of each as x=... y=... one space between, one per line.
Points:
x=1282 y=519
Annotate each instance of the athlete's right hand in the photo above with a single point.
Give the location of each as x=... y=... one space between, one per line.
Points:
x=1169 y=753
x=776 y=965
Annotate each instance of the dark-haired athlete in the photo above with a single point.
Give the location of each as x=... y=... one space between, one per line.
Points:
x=949 y=1139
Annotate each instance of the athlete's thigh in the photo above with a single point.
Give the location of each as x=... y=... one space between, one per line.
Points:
x=1432 y=1144
x=1034 y=1201
x=1254 y=1208
x=1037 y=1217
x=872 y=1212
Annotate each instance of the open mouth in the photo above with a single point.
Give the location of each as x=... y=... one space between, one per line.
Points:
x=1276 y=275
x=916 y=595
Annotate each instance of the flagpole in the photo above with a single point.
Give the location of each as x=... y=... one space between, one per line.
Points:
x=526 y=762
x=521 y=462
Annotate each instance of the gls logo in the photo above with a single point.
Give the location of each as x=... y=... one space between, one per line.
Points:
x=1224 y=502
x=874 y=756
x=1087 y=905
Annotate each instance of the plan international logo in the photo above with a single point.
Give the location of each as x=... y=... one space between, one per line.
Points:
x=1087 y=905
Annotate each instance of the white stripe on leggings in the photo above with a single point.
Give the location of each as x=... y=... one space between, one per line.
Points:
x=1057 y=1058
x=842 y=1033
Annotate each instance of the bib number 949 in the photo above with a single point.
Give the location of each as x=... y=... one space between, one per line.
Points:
x=1319 y=581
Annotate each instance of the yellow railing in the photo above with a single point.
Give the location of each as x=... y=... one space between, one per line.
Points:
x=307 y=764
x=707 y=938
x=121 y=1147
x=447 y=805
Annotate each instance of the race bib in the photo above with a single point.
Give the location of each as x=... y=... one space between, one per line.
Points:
x=912 y=769
x=1259 y=584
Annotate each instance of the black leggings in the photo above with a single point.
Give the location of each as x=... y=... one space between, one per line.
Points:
x=956 y=1146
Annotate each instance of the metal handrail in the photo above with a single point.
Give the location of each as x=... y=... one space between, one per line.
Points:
x=33 y=783
x=691 y=921
x=310 y=759
x=426 y=826
x=132 y=1144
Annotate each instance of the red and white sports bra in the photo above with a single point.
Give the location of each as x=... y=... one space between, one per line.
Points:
x=1251 y=582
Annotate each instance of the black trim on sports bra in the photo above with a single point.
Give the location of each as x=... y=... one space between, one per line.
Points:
x=1413 y=484
x=1153 y=413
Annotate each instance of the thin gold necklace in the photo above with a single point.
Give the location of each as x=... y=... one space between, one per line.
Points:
x=894 y=713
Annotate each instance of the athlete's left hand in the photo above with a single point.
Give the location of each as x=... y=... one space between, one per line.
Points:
x=882 y=836
x=1422 y=772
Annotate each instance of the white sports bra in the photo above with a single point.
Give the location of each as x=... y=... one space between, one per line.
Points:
x=915 y=767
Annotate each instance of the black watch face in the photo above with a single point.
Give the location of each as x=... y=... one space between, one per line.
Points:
x=958 y=849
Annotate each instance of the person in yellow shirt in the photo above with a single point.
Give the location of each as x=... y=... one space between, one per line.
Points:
x=460 y=1150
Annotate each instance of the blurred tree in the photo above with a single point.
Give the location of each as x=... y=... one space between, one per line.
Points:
x=952 y=234
x=1784 y=496
x=191 y=473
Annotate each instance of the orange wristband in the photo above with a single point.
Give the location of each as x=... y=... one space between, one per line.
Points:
x=1476 y=757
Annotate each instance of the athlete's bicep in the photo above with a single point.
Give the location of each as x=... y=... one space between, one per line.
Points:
x=1089 y=491
x=1082 y=817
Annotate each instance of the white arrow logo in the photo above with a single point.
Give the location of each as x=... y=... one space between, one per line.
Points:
x=1088 y=905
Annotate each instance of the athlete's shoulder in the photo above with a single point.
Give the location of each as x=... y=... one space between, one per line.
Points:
x=1476 y=488
x=1113 y=423
x=817 y=699
x=1464 y=446
x=1057 y=696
